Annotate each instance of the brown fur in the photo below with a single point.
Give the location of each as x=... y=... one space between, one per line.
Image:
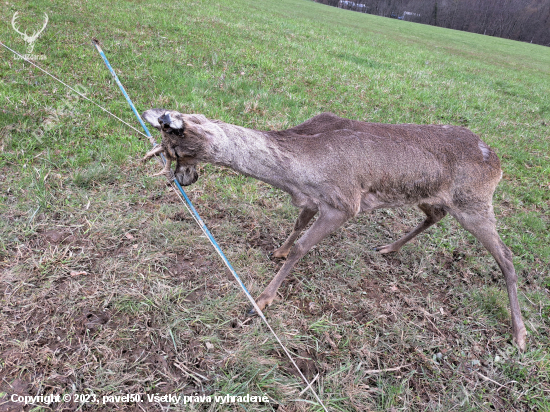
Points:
x=339 y=167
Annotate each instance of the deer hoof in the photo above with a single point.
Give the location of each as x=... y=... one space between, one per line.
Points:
x=262 y=302
x=272 y=256
x=277 y=254
x=520 y=339
x=385 y=249
x=251 y=312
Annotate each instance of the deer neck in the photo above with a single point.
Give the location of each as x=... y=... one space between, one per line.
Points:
x=249 y=152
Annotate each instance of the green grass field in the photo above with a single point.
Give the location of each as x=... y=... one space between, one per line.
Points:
x=109 y=287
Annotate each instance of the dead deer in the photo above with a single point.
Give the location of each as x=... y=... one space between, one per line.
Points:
x=338 y=168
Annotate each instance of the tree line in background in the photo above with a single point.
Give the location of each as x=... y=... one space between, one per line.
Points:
x=523 y=20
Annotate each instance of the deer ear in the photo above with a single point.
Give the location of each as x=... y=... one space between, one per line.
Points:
x=152 y=115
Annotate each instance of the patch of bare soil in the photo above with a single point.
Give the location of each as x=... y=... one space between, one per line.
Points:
x=143 y=306
x=305 y=360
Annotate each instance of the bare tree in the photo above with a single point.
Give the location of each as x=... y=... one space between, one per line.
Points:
x=524 y=20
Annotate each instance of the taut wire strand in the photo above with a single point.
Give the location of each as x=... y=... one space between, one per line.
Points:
x=76 y=91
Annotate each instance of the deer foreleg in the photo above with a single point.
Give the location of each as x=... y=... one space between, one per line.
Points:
x=329 y=220
x=304 y=218
x=166 y=170
x=155 y=151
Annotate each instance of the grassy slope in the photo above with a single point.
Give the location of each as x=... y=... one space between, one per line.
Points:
x=154 y=295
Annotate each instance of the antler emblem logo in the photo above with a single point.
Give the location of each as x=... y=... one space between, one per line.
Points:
x=28 y=39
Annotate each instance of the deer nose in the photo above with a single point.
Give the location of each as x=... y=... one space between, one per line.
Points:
x=165 y=119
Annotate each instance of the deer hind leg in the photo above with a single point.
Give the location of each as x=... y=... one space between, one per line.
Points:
x=303 y=219
x=328 y=221
x=482 y=226
x=433 y=215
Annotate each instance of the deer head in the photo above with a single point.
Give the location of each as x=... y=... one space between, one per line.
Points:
x=29 y=39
